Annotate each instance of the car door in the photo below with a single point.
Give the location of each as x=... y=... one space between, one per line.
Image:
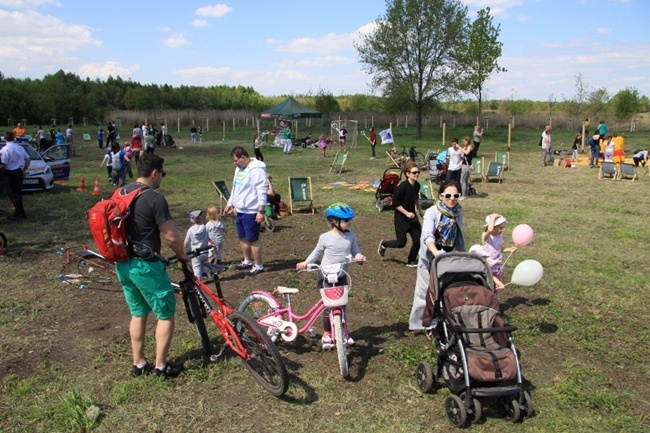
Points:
x=58 y=158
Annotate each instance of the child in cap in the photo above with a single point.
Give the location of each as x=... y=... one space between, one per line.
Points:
x=492 y=239
x=480 y=251
x=197 y=237
x=128 y=155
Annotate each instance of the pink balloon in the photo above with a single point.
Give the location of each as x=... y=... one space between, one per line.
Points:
x=522 y=235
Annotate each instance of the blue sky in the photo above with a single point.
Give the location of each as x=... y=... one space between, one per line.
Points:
x=288 y=47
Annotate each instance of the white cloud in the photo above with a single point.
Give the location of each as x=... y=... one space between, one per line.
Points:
x=96 y=70
x=21 y=5
x=523 y=18
x=216 y=11
x=603 y=30
x=551 y=45
x=25 y=45
x=165 y=29
x=199 y=23
x=175 y=41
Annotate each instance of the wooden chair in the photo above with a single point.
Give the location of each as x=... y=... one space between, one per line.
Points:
x=427 y=200
x=503 y=158
x=300 y=191
x=607 y=168
x=338 y=162
x=494 y=172
x=224 y=193
x=393 y=159
x=627 y=171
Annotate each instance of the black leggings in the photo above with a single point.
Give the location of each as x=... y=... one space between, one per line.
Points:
x=258 y=154
x=401 y=229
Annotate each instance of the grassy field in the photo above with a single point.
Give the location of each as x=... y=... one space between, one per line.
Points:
x=583 y=329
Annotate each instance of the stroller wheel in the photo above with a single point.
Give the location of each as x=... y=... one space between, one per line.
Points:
x=455 y=410
x=425 y=377
x=528 y=404
x=509 y=408
x=476 y=411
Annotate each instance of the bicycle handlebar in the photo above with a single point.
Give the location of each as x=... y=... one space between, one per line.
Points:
x=192 y=253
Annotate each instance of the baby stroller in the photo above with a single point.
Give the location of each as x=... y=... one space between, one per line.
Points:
x=477 y=358
x=438 y=166
x=386 y=188
x=169 y=141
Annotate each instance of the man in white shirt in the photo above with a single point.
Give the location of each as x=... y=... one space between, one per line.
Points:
x=14 y=163
x=248 y=199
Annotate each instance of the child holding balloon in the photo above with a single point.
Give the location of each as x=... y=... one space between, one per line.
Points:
x=492 y=238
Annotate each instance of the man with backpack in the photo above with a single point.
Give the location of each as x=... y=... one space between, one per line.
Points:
x=145 y=282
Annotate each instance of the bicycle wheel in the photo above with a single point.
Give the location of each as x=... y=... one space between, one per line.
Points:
x=341 y=345
x=264 y=362
x=268 y=225
x=419 y=160
x=257 y=306
x=198 y=316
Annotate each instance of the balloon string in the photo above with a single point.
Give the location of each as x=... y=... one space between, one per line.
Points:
x=507 y=284
x=504 y=263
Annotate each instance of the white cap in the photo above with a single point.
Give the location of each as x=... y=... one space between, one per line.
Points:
x=194 y=214
x=479 y=250
x=497 y=222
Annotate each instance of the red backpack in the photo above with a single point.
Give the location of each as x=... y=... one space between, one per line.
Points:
x=107 y=221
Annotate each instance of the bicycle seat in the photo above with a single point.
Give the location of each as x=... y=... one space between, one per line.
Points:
x=215 y=269
x=286 y=290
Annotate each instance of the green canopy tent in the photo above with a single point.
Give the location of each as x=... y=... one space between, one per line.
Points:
x=290 y=109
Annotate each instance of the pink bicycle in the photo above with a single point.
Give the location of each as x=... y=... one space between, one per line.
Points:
x=280 y=320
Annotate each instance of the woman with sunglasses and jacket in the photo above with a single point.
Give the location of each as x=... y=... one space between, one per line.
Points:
x=442 y=232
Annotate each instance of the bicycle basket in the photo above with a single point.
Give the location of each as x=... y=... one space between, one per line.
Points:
x=335 y=296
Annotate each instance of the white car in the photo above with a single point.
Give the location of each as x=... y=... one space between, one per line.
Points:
x=45 y=168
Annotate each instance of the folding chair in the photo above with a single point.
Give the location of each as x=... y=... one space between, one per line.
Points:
x=478 y=164
x=338 y=162
x=494 y=172
x=607 y=168
x=392 y=159
x=503 y=158
x=427 y=200
x=224 y=194
x=300 y=191
x=627 y=171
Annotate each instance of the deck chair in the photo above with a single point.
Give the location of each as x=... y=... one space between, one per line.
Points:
x=300 y=191
x=503 y=158
x=494 y=172
x=338 y=162
x=478 y=164
x=607 y=168
x=627 y=171
x=392 y=160
x=224 y=193
x=427 y=200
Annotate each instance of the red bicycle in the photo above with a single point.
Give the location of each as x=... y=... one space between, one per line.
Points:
x=240 y=332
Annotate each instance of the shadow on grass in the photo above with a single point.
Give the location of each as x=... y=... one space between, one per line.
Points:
x=373 y=337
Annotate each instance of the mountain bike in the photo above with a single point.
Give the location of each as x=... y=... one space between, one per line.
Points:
x=417 y=157
x=280 y=320
x=240 y=332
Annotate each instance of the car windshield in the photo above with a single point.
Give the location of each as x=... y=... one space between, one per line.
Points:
x=33 y=155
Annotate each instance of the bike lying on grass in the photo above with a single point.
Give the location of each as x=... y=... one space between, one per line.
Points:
x=240 y=332
x=280 y=320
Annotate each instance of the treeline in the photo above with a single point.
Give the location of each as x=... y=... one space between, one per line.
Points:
x=62 y=95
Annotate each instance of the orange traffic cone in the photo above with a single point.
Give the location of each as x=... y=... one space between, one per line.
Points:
x=82 y=185
x=97 y=190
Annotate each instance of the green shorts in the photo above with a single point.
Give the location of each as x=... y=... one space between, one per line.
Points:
x=147 y=287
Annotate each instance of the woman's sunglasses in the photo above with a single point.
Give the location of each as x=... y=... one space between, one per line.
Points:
x=456 y=196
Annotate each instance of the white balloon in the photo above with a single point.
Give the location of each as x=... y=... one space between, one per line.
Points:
x=527 y=273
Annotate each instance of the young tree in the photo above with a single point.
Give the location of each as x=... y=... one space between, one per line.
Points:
x=479 y=57
x=326 y=103
x=413 y=51
x=626 y=103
